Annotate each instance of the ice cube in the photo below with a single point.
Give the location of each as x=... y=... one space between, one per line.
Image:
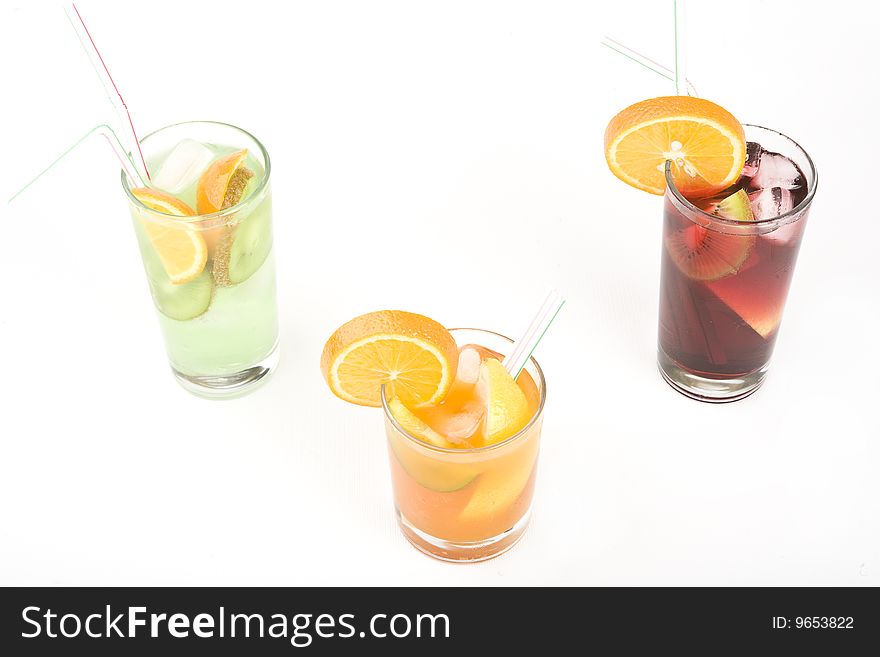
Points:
x=182 y=166
x=771 y=202
x=466 y=374
x=786 y=234
x=460 y=426
x=775 y=170
x=469 y=366
x=753 y=156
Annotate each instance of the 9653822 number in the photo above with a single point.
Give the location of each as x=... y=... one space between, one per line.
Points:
x=824 y=622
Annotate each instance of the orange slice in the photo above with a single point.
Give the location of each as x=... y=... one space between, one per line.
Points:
x=414 y=356
x=704 y=141
x=223 y=182
x=180 y=248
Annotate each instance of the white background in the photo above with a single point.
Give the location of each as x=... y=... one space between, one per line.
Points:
x=444 y=158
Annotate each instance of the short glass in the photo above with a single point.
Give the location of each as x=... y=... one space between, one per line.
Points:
x=719 y=317
x=467 y=504
x=220 y=329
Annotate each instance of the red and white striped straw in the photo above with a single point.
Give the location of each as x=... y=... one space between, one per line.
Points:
x=524 y=347
x=130 y=171
x=100 y=66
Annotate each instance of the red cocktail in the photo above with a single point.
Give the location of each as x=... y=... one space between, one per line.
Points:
x=727 y=265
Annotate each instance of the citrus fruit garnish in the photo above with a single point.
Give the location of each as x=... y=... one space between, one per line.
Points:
x=180 y=248
x=414 y=356
x=223 y=183
x=436 y=475
x=507 y=409
x=414 y=426
x=704 y=254
x=704 y=141
x=763 y=312
x=497 y=490
x=163 y=202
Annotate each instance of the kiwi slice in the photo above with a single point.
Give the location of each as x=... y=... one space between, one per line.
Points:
x=704 y=254
x=244 y=246
x=180 y=302
x=183 y=302
x=736 y=207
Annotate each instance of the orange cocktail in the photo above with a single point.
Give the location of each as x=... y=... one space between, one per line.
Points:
x=463 y=434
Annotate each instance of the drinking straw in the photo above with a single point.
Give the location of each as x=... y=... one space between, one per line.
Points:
x=680 y=77
x=103 y=73
x=125 y=159
x=647 y=62
x=110 y=136
x=524 y=347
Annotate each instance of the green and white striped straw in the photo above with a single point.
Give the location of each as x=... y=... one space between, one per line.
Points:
x=109 y=135
x=680 y=75
x=677 y=75
x=524 y=347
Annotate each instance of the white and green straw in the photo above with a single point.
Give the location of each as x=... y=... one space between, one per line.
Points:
x=524 y=347
x=676 y=75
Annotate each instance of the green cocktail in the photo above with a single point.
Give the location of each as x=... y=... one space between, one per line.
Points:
x=204 y=229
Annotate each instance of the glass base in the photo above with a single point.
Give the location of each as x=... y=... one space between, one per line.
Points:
x=465 y=551
x=705 y=389
x=232 y=385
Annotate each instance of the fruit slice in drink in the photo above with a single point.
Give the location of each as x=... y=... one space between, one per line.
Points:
x=704 y=254
x=175 y=258
x=719 y=255
x=440 y=476
x=694 y=323
x=223 y=183
x=498 y=489
x=507 y=413
x=763 y=311
x=494 y=485
x=507 y=409
x=241 y=246
x=180 y=301
x=181 y=248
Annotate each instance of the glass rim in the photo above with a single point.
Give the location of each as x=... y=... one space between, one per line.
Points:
x=800 y=207
x=542 y=393
x=214 y=215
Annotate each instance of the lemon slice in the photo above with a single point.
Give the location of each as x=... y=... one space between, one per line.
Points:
x=507 y=409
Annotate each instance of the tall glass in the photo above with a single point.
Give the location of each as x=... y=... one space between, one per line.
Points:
x=724 y=282
x=220 y=329
x=467 y=504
